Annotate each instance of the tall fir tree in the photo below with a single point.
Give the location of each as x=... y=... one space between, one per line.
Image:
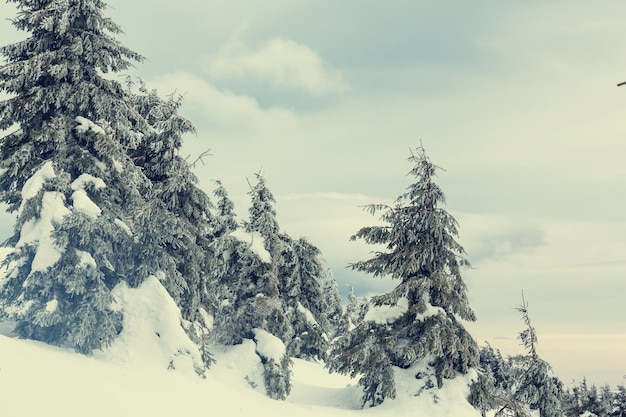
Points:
x=88 y=174
x=224 y=221
x=422 y=253
x=177 y=213
x=67 y=174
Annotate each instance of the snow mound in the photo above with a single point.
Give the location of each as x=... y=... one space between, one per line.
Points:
x=84 y=179
x=269 y=346
x=152 y=336
x=81 y=201
x=83 y=204
x=239 y=366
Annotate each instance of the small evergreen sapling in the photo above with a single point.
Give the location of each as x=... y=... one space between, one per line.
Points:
x=531 y=382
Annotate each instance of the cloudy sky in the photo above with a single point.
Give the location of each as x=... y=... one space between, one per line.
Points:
x=517 y=101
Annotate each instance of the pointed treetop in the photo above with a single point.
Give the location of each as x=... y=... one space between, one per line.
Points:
x=262 y=211
x=528 y=336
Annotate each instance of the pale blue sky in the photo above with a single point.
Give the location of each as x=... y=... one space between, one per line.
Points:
x=516 y=100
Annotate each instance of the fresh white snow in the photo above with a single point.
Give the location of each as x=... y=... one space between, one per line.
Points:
x=83 y=204
x=123 y=226
x=255 y=243
x=384 y=314
x=51 y=306
x=41 y=380
x=33 y=185
x=152 y=336
x=85 y=259
x=131 y=378
x=307 y=314
x=37 y=231
x=81 y=201
x=84 y=179
x=85 y=125
x=269 y=346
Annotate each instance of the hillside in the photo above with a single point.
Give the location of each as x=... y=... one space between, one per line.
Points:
x=131 y=377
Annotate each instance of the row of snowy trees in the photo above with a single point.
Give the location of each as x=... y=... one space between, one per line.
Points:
x=91 y=167
x=603 y=402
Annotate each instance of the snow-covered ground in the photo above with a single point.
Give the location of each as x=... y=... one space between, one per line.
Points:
x=131 y=377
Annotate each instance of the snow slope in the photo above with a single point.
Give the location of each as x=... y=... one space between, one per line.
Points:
x=40 y=380
x=131 y=377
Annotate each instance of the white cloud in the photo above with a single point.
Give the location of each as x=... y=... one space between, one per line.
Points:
x=497 y=236
x=281 y=62
x=221 y=108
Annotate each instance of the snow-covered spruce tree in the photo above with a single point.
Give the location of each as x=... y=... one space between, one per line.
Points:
x=531 y=383
x=67 y=174
x=332 y=304
x=419 y=321
x=224 y=221
x=354 y=313
x=223 y=262
x=249 y=302
x=271 y=283
x=619 y=402
x=492 y=389
x=301 y=275
x=176 y=215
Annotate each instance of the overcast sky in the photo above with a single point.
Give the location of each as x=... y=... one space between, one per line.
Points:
x=517 y=101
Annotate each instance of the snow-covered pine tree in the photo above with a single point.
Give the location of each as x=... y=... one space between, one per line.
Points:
x=272 y=283
x=223 y=259
x=571 y=402
x=332 y=300
x=67 y=174
x=177 y=218
x=263 y=224
x=419 y=322
x=301 y=275
x=531 y=382
x=355 y=312
x=224 y=221
x=262 y=214
x=606 y=403
x=618 y=408
x=584 y=399
x=492 y=389
x=309 y=310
